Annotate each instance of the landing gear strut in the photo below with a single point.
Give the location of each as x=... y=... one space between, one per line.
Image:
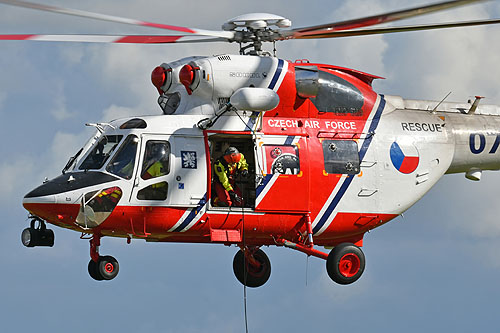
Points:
x=344 y=264
x=37 y=235
x=101 y=267
x=251 y=267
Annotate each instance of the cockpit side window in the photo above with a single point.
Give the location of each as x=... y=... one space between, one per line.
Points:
x=101 y=152
x=156 y=159
x=123 y=162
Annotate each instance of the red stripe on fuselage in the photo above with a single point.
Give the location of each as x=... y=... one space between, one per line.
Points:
x=62 y=215
x=352 y=224
x=154 y=222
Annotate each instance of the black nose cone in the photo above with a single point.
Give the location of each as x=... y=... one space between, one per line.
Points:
x=70 y=182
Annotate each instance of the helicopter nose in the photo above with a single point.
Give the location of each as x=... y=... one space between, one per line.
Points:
x=49 y=205
x=57 y=200
x=48 y=209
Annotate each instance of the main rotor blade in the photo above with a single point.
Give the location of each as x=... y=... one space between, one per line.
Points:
x=376 y=19
x=110 y=18
x=366 y=32
x=121 y=39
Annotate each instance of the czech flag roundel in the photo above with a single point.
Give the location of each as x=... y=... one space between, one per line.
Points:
x=404 y=157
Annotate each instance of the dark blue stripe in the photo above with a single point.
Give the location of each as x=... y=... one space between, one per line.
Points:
x=334 y=203
x=253 y=117
x=289 y=140
x=276 y=74
x=192 y=214
x=263 y=184
x=348 y=180
x=251 y=122
x=373 y=126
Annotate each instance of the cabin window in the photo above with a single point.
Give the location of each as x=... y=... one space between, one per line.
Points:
x=282 y=159
x=341 y=156
x=134 y=123
x=123 y=162
x=101 y=152
x=156 y=161
x=97 y=206
x=337 y=95
x=156 y=191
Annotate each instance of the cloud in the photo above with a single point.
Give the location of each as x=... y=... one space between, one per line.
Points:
x=22 y=172
x=60 y=111
x=340 y=293
x=63 y=146
x=15 y=172
x=116 y=112
x=73 y=55
x=427 y=65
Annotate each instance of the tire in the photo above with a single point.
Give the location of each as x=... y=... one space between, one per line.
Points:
x=107 y=267
x=92 y=267
x=255 y=277
x=345 y=263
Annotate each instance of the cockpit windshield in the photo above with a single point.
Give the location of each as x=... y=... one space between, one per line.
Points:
x=123 y=162
x=101 y=152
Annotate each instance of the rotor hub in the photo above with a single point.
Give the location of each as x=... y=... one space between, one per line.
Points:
x=255 y=28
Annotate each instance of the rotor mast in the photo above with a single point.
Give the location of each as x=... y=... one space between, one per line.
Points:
x=250 y=30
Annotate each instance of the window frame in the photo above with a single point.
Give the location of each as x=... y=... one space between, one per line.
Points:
x=333 y=166
x=93 y=149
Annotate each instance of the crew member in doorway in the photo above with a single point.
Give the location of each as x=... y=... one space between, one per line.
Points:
x=226 y=168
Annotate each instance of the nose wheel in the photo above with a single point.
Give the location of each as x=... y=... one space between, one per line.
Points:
x=101 y=267
x=106 y=268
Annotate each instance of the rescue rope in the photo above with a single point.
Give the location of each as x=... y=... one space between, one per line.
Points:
x=244 y=266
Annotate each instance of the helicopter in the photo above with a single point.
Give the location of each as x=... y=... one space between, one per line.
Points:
x=301 y=125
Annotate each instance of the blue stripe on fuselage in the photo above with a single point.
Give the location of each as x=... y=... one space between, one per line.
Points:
x=276 y=74
x=348 y=180
x=192 y=214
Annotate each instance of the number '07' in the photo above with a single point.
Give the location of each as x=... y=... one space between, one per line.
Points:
x=477 y=143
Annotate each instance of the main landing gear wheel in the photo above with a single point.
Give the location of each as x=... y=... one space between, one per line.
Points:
x=106 y=268
x=345 y=263
x=256 y=275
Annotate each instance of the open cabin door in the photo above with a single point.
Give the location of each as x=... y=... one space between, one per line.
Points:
x=245 y=144
x=282 y=173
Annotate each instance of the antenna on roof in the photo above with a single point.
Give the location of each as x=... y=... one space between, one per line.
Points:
x=445 y=97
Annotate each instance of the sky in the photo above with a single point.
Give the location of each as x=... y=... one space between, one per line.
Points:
x=437 y=268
